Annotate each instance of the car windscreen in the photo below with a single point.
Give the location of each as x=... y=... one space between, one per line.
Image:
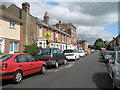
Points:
x=118 y=60
x=109 y=53
x=68 y=51
x=81 y=51
x=44 y=52
x=5 y=57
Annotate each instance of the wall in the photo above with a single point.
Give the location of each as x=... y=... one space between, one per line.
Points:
x=7 y=32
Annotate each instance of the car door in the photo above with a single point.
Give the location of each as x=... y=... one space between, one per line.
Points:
x=61 y=56
x=23 y=64
x=58 y=55
x=34 y=63
x=55 y=54
x=76 y=53
x=112 y=64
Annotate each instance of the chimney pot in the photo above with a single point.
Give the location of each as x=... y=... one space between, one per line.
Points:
x=60 y=22
x=3 y=7
x=46 y=18
x=26 y=7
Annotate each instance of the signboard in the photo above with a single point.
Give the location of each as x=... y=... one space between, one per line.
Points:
x=47 y=36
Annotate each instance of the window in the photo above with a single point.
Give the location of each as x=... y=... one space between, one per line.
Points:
x=40 y=44
x=118 y=58
x=12 y=24
x=11 y=46
x=45 y=51
x=68 y=51
x=14 y=46
x=0 y=47
x=40 y=32
x=63 y=38
x=21 y=58
x=5 y=57
x=51 y=36
x=56 y=36
x=30 y=58
x=54 y=51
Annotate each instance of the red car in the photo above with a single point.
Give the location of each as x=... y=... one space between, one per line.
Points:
x=15 y=66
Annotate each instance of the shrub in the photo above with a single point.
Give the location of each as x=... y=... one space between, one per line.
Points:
x=1 y=53
x=31 y=49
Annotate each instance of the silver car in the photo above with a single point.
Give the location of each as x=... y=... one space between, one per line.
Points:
x=114 y=69
x=108 y=55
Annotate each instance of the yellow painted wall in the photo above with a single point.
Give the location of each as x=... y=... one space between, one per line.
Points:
x=8 y=32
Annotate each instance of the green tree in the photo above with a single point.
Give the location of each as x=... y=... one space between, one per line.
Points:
x=31 y=49
x=99 y=43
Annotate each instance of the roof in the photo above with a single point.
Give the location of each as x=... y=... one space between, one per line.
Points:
x=66 y=25
x=4 y=13
x=22 y=10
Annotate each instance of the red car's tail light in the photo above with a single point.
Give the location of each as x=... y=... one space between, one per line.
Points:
x=4 y=66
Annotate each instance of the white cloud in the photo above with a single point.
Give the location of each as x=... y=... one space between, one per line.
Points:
x=92 y=33
x=89 y=18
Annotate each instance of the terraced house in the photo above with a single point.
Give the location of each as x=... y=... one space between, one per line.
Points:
x=11 y=30
x=29 y=22
x=62 y=35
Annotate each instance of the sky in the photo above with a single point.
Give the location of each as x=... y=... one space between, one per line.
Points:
x=92 y=19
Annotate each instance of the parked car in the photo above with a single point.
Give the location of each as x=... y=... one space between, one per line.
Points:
x=86 y=52
x=52 y=56
x=103 y=52
x=114 y=69
x=71 y=54
x=92 y=50
x=15 y=66
x=81 y=53
x=108 y=55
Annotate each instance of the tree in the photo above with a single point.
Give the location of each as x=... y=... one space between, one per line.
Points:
x=31 y=49
x=98 y=40
x=99 y=43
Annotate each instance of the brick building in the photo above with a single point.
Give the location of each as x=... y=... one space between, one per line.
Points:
x=115 y=43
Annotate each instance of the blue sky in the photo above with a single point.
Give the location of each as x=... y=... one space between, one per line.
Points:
x=112 y=28
x=53 y=3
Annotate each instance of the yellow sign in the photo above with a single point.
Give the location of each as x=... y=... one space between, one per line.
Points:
x=47 y=36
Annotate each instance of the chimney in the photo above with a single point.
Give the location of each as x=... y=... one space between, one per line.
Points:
x=46 y=18
x=60 y=22
x=3 y=7
x=113 y=38
x=26 y=7
x=58 y=25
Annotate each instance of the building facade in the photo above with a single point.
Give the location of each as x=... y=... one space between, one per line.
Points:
x=11 y=30
x=115 y=43
x=29 y=22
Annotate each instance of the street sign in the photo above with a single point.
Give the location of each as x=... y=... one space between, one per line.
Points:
x=47 y=36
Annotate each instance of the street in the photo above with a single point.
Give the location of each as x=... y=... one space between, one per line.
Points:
x=88 y=72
